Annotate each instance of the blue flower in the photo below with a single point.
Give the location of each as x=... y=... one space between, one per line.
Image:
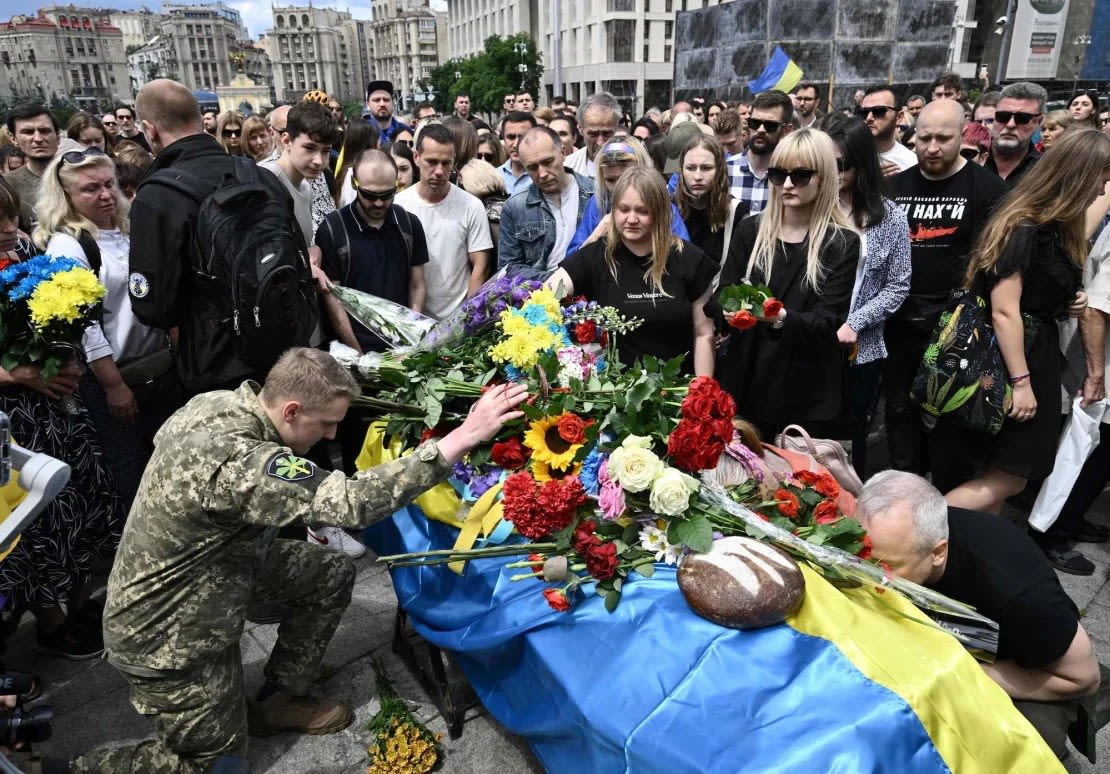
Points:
x=590 y=467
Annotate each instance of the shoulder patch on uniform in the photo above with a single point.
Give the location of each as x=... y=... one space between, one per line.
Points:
x=138 y=285
x=290 y=467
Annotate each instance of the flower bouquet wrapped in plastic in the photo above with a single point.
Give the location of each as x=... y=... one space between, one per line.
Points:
x=479 y=312
x=396 y=325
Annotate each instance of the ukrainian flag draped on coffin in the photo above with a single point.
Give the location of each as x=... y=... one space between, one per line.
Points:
x=853 y=682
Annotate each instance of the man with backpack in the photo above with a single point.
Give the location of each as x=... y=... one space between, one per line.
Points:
x=215 y=251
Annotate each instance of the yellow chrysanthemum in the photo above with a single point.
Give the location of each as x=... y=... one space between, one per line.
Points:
x=64 y=297
x=523 y=342
x=548 y=446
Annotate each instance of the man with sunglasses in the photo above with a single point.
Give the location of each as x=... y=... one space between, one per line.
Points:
x=127 y=128
x=1018 y=116
x=110 y=123
x=34 y=129
x=769 y=121
x=947 y=200
x=879 y=110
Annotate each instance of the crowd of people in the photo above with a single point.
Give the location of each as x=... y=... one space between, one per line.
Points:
x=862 y=222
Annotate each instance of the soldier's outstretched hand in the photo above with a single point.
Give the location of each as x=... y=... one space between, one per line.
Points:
x=486 y=418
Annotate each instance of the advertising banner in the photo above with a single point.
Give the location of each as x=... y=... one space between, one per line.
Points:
x=1036 y=39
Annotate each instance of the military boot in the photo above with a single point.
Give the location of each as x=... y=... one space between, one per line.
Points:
x=281 y=712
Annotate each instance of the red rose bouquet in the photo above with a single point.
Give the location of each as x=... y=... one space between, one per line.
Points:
x=745 y=304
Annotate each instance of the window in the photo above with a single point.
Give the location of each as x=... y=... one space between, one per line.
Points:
x=668 y=30
x=667 y=53
x=616 y=6
x=647 y=52
x=620 y=33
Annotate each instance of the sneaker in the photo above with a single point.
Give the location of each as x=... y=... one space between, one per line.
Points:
x=281 y=711
x=69 y=641
x=336 y=539
x=1069 y=560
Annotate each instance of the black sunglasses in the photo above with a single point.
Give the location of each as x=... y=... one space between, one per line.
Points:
x=233 y=132
x=375 y=196
x=800 y=177
x=486 y=157
x=769 y=126
x=879 y=111
x=970 y=153
x=1020 y=118
x=406 y=143
x=76 y=157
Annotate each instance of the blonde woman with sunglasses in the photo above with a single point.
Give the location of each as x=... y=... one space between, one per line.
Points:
x=789 y=368
x=612 y=160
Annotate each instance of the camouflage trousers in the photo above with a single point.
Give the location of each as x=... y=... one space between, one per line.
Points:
x=201 y=714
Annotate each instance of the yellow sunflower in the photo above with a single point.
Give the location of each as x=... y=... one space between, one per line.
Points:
x=542 y=472
x=548 y=446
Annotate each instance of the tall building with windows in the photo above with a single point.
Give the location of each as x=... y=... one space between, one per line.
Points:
x=70 y=53
x=203 y=38
x=318 y=48
x=410 y=40
x=138 y=27
x=625 y=47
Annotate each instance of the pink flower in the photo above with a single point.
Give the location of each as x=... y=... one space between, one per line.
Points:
x=611 y=497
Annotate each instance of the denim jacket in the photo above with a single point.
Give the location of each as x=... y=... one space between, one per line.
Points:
x=528 y=230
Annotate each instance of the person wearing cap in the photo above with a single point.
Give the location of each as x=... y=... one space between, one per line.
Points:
x=679 y=137
x=613 y=159
x=538 y=223
x=379 y=108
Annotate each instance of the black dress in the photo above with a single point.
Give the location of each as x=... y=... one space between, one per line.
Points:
x=792 y=374
x=1050 y=280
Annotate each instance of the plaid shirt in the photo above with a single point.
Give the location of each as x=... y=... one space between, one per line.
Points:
x=745 y=185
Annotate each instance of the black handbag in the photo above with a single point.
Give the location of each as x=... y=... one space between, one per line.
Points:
x=962 y=375
x=151 y=376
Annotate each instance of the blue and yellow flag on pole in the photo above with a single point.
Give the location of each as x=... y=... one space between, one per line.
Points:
x=781 y=74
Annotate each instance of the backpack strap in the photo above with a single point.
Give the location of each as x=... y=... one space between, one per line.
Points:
x=92 y=251
x=404 y=224
x=342 y=249
x=730 y=221
x=183 y=182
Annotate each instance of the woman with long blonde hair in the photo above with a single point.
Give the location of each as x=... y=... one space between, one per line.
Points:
x=229 y=131
x=645 y=271
x=612 y=159
x=789 y=367
x=1028 y=261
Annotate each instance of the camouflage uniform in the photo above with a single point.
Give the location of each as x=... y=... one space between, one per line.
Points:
x=199 y=547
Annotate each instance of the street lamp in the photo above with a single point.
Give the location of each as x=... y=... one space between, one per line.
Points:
x=1084 y=41
x=521 y=48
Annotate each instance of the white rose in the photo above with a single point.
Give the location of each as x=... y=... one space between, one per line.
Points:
x=637 y=442
x=670 y=492
x=634 y=467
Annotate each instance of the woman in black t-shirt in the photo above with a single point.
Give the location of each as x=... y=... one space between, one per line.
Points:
x=789 y=368
x=703 y=196
x=1028 y=261
x=644 y=271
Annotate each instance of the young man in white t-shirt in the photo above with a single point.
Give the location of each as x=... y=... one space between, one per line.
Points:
x=454 y=222
x=879 y=109
x=305 y=151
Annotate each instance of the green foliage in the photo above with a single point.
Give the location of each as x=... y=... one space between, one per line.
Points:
x=487 y=77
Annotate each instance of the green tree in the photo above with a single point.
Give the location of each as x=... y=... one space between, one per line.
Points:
x=487 y=77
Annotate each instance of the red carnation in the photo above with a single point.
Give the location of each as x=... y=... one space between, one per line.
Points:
x=572 y=428
x=586 y=332
x=557 y=599
x=518 y=498
x=510 y=454
x=865 y=552
x=585 y=537
x=788 y=503
x=602 y=561
x=827 y=486
x=826 y=512
x=557 y=502
x=743 y=320
x=772 y=307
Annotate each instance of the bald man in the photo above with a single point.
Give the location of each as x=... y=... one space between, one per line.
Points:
x=165 y=284
x=947 y=201
x=276 y=120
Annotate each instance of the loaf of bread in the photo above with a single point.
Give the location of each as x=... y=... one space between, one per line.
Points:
x=742 y=583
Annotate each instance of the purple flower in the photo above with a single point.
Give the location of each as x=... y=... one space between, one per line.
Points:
x=481 y=482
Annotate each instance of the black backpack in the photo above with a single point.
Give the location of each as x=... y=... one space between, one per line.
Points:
x=252 y=260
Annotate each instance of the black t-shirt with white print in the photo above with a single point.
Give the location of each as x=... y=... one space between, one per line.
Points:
x=668 y=327
x=945 y=217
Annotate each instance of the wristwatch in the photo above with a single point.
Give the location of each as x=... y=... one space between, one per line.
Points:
x=779 y=322
x=427 y=451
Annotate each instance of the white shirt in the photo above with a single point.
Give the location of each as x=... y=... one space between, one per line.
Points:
x=302 y=199
x=121 y=336
x=566 y=223
x=347 y=193
x=901 y=155
x=582 y=164
x=454 y=228
x=1096 y=283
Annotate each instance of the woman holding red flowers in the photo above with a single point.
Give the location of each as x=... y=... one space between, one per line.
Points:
x=644 y=271
x=788 y=367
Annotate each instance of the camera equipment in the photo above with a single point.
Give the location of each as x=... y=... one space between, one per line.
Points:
x=40 y=475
